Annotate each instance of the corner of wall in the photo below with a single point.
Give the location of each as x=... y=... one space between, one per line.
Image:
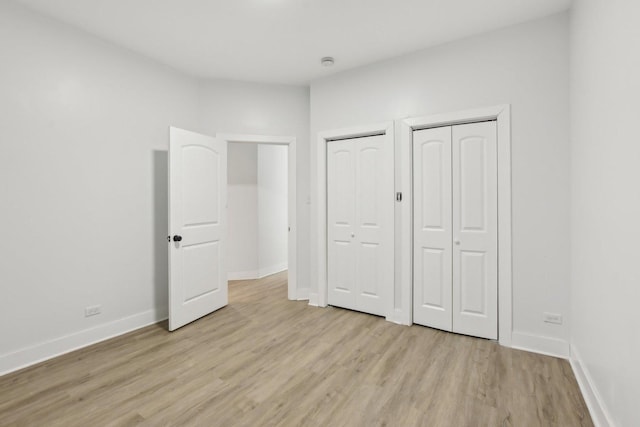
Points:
x=597 y=408
x=549 y=346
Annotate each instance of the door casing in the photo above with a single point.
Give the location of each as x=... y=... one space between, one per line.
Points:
x=387 y=130
x=406 y=127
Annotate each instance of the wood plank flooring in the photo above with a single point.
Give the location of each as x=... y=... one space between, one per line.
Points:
x=266 y=361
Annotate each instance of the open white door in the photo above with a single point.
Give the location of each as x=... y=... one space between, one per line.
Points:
x=197 y=226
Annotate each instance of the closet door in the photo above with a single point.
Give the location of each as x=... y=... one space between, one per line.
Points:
x=341 y=224
x=360 y=223
x=374 y=224
x=475 y=230
x=432 y=243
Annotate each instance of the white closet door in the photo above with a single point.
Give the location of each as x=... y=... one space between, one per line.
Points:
x=475 y=230
x=374 y=224
x=341 y=224
x=432 y=244
x=360 y=223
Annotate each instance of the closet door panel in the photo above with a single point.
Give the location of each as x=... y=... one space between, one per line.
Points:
x=432 y=279
x=374 y=231
x=475 y=230
x=341 y=219
x=360 y=197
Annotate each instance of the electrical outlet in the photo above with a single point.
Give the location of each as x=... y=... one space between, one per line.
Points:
x=553 y=318
x=92 y=310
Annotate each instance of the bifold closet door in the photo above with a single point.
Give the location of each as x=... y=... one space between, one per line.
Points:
x=475 y=229
x=432 y=241
x=360 y=224
x=456 y=229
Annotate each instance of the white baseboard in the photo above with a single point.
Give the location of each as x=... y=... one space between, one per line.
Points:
x=597 y=408
x=539 y=344
x=273 y=269
x=243 y=275
x=256 y=274
x=313 y=299
x=400 y=317
x=58 y=346
x=302 y=294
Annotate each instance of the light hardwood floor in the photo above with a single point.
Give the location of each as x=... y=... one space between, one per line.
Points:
x=266 y=361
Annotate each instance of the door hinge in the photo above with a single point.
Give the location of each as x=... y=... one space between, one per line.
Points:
x=399 y=196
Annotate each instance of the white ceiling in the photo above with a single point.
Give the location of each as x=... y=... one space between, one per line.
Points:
x=282 y=41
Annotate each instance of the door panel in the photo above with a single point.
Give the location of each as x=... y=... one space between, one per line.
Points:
x=472 y=282
x=197 y=213
x=369 y=269
x=368 y=182
x=472 y=182
x=200 y=274
x=341 y=213
x=360 y=223
x=434 y=286
x=432 y=245
x=374 y=232
x=475 y=230
x=200 y=195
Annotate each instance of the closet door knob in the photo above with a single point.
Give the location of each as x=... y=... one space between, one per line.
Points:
x=177 y=238
x=457 y=242
x=353 y=234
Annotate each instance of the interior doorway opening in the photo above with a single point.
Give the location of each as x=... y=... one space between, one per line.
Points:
x=262 y=198
x=257 y=201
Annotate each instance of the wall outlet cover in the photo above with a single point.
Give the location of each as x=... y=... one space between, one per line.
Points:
x=553 y=318
x=92 y=310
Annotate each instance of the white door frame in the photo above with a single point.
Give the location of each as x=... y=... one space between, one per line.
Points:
x=502 y=115
x=385 y=128
x=290 y=142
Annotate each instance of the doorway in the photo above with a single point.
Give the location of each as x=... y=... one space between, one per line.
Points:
x=257 y=189
x=268 y=151
x=407 y=127
x=382 y=134
x=198 y=282
x=455 y=276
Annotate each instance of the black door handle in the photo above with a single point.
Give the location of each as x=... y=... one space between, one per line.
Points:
x=177 y=238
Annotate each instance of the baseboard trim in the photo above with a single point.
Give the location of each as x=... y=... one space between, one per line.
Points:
x=539 y=344
x=598 y=410
x=243 y=275
x=29 y=356
x=313 y=299
x=256 y=274
x=268 y=271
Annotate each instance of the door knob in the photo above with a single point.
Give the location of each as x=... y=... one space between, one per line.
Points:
x=457 y=242
x=177 y=238
x=353 y=234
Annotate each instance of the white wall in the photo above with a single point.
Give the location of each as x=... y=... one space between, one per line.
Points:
x=273 y=180
x=253 y=108
x=83 y=179
x=526 y=66
x=605 y=65
x=242 y=211
x=83 y=173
